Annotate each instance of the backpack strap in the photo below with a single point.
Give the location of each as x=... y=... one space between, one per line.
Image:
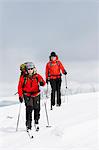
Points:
x=37 y=79
x=57 y=62
x=25 y=79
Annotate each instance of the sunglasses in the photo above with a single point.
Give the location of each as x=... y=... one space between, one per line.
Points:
x=30 y=69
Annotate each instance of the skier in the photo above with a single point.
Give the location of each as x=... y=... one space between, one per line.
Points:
x=28 y=89
x=53 y=75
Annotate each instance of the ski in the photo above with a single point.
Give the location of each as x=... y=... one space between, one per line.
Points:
x=30 y=134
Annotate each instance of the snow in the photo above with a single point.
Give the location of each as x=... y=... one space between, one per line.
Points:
x=74 y=125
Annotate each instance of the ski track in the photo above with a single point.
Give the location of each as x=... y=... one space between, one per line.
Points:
x=73 y=126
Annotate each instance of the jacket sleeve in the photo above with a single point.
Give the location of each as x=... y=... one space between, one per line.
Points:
x=62 y=67
x=41 y=80
x=20 y=84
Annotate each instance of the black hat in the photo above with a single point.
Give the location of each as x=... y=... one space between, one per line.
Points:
x=53 y=54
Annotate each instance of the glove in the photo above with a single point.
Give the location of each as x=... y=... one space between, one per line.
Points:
x=21 y=99
x=41 y=83
x=65 y=72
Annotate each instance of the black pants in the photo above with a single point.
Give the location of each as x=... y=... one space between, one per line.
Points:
x=32 y=103
x=55 y=87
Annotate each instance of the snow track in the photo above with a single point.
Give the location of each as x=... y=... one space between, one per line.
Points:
x=74 y=126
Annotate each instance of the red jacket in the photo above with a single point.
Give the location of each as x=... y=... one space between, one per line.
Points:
x=53 y=69
x=30 y=86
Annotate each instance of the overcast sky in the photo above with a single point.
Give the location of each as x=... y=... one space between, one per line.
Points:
x=31 y=29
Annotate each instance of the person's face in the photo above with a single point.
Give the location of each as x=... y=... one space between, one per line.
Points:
x=53 y=58
x=34 y=70
x=30 y=71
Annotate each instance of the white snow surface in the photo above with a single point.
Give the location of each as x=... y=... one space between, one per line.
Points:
x=74 y=125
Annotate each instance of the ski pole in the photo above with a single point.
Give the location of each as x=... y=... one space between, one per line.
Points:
x=47 y=116
x=16 y=93
x=47 y=95
x=66 y=87
x=18 y=117
x=47 y=92
x=65 y=81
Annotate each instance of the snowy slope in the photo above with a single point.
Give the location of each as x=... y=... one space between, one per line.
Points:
x=74 y=126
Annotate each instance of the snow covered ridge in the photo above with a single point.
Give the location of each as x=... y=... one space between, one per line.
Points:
x=76 y=87
x=73 y=125
x=73 y=88
x=12 y=100
x=82 y=77
x=6 y=101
